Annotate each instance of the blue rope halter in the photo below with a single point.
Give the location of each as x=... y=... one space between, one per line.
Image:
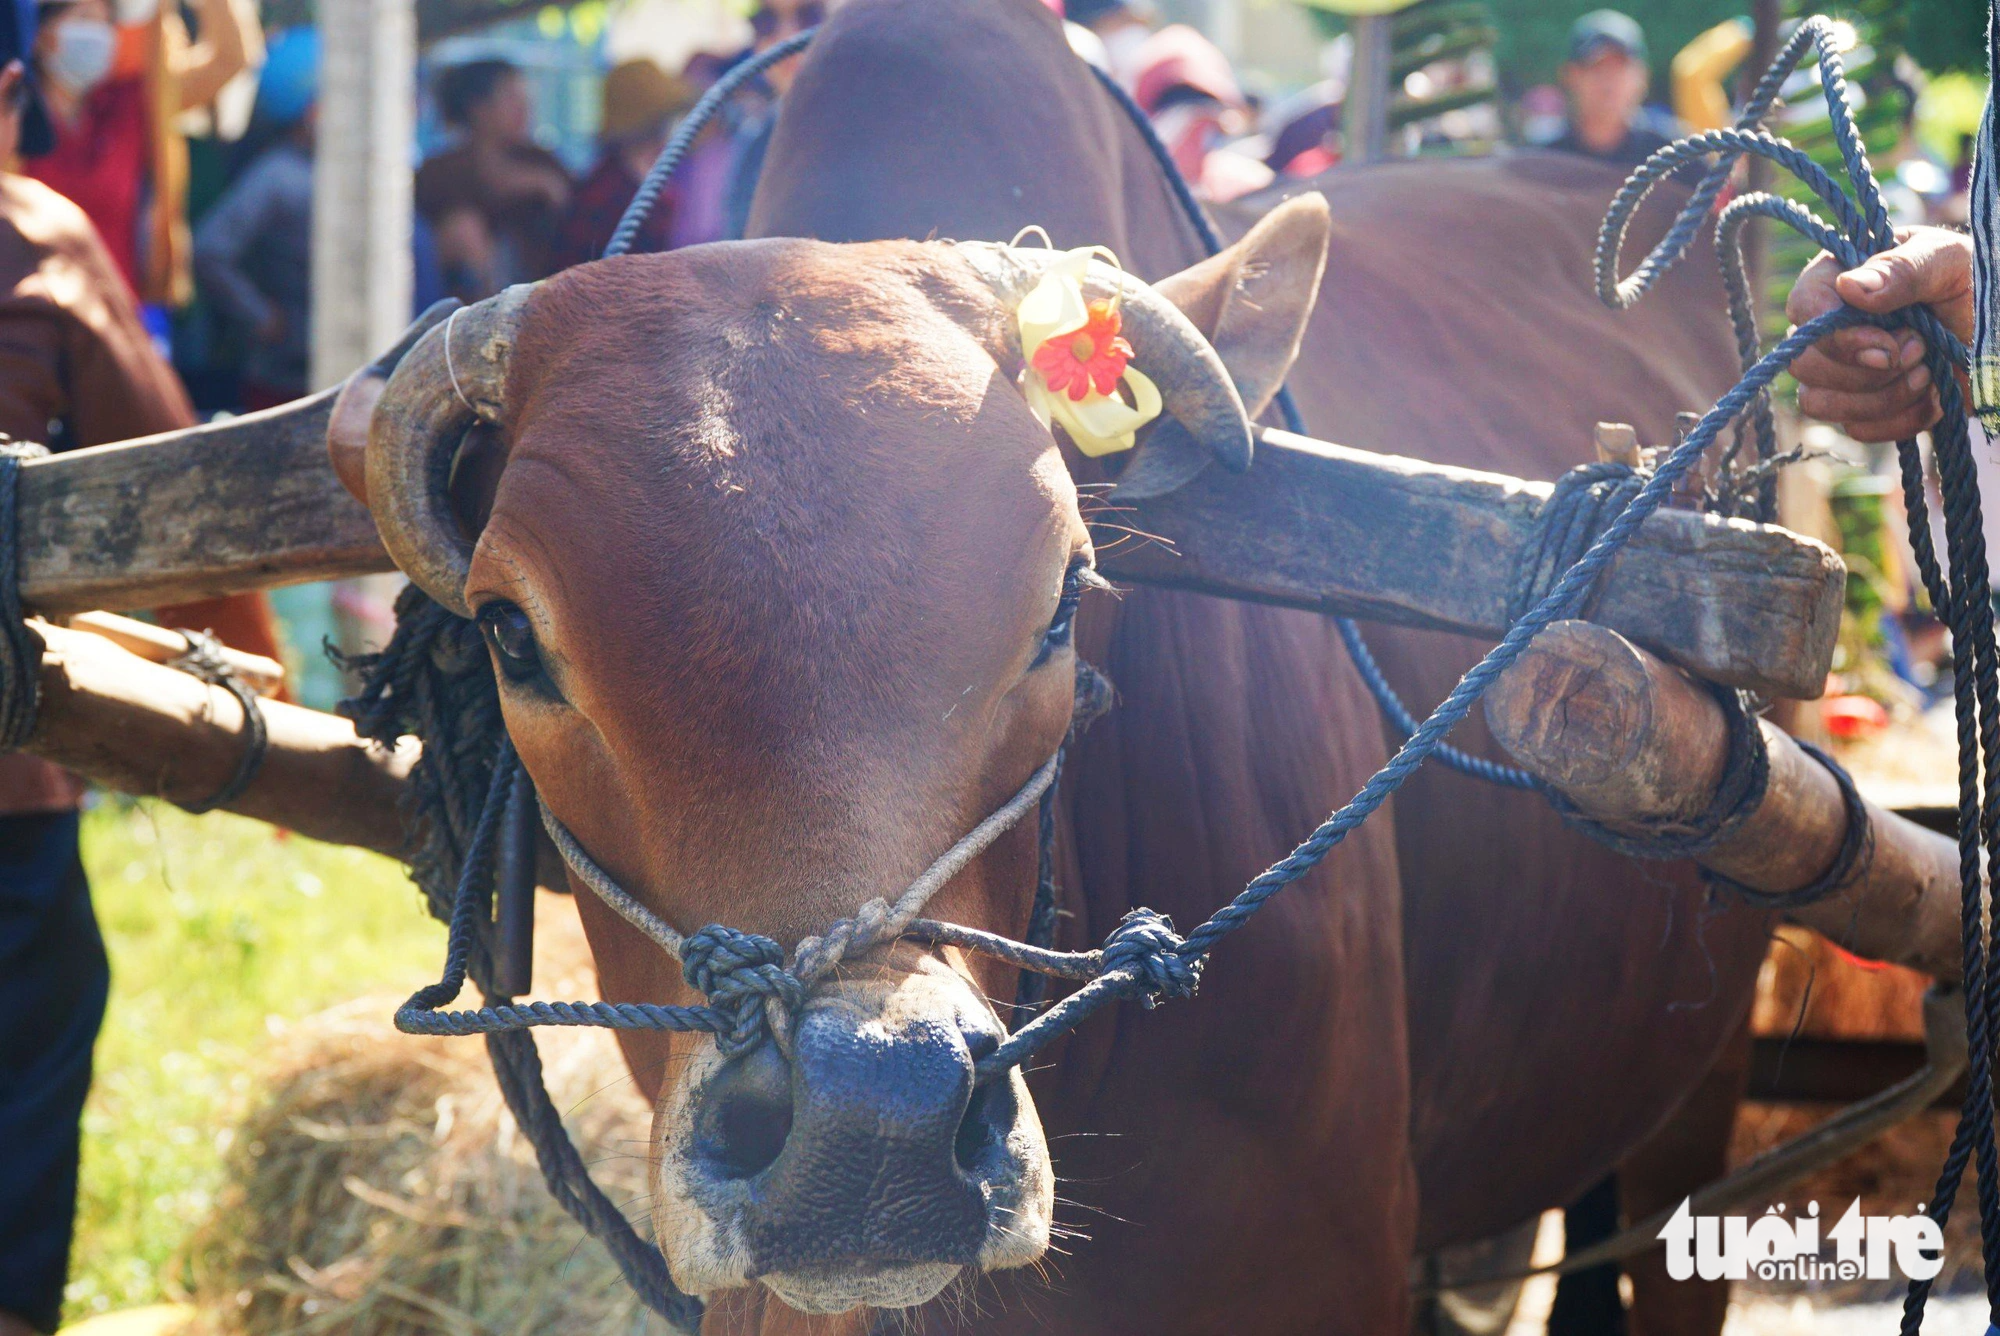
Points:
x=745 y=978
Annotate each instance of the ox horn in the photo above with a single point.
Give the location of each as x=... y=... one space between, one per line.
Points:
x=450 y=382
x=1196 y=389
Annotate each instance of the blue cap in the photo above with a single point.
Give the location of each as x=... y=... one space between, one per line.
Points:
x=1603 y=30
x=17 y=42
x=289 y=83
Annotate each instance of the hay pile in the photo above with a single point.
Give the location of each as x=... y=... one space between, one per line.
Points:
x=380 y=1187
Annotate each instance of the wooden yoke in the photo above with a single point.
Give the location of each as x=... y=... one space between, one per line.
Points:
x=254 y=502
x=140 y=727
x=1629 y=740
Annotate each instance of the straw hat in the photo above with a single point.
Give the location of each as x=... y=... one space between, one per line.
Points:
x=639 y=96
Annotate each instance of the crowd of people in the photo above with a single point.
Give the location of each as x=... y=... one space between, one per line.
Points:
x=496 y=207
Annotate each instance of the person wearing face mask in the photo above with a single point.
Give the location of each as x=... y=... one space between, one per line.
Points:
x=72 y=352
x=111 y=94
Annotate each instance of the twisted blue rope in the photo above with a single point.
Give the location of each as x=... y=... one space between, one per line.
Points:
x=1144 y=958
x=1425 y=740
x=1387 y=700
x=690 y=128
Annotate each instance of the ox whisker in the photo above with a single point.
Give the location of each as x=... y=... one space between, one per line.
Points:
x=1166 y=543
x=1094 y=1210
x=588 y=1095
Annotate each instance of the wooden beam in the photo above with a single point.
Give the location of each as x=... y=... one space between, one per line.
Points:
x=1321 y=526
x=160 y=644
x=142 y=728
x=1631 y=741
x=254 y=502
x=243 y=504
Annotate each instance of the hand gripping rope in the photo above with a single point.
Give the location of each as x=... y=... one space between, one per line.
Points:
x=433 y=680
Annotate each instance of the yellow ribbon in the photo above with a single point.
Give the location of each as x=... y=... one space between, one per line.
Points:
x=1099 y=424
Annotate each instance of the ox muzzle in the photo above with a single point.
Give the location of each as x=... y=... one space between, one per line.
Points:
x=868 y=1166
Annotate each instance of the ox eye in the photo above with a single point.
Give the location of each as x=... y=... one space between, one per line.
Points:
x=506 y=628
x=1062 y=626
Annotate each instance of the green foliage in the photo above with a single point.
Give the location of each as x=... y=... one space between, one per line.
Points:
x=1947 y=34
x=220 y=933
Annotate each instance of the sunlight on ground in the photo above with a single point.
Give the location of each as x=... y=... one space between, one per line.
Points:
x=221 y=932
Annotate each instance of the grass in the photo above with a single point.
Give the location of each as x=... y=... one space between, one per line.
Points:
x=221 y=932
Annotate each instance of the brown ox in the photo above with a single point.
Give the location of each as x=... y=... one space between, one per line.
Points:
x=786 y=543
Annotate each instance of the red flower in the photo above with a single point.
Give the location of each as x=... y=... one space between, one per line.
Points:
x=1091 y=356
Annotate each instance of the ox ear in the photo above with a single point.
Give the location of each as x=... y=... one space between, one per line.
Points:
x=1251 y=301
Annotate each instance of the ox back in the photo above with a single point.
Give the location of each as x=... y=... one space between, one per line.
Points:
x=1455 y=1022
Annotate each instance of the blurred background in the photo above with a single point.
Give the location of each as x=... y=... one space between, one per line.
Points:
x=294 y=180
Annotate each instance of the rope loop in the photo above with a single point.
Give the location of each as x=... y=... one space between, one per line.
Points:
x=203 y=660
x=1746 y=775
x=1581 y=506
x=1145 y=943
x=1856 y=852
x=741 y=974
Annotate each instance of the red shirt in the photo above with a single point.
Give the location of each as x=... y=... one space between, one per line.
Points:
x=101 y=163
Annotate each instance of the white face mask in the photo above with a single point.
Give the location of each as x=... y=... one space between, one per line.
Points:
x=83 y=54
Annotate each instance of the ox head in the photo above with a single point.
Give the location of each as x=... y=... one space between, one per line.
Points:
x=779 y=575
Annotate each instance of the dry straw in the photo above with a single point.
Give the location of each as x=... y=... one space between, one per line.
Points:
x=378 y=1186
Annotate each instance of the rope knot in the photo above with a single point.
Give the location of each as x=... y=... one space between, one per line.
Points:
x=740 y=973
x=1145 y=942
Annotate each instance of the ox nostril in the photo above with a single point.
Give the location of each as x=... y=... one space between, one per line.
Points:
x=746 y=1115
x=753 y=1131
x=980 y=1145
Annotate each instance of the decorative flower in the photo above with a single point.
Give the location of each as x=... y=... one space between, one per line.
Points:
x=1086 y=359
x=1078 y=363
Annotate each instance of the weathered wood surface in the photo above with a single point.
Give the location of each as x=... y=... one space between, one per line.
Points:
x=218 y=509
x=1628 y=738
x=254 y=502
x=160 y=644
x=142 y=728
x=1322 y=526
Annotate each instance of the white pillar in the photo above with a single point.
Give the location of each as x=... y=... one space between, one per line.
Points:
x=1364 y=120
x=1225 y=27
x=361 y=183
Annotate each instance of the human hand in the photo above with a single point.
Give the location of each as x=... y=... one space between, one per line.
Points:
x=1873 y=382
